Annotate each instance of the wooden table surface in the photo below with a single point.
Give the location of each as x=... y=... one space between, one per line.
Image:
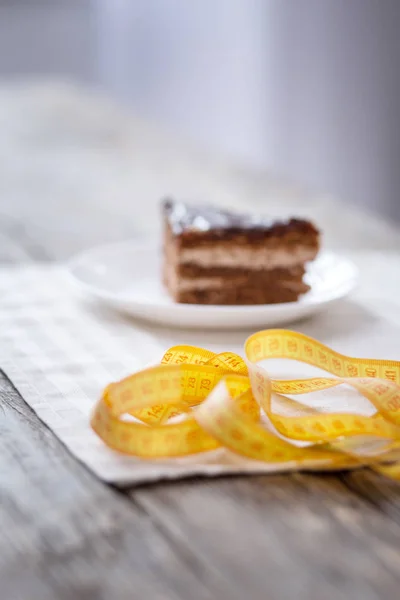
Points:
x=68 y=536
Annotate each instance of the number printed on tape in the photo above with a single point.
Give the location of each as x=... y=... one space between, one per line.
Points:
x=222 y=401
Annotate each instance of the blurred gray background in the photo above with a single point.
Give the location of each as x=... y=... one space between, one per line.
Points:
x=308 y=88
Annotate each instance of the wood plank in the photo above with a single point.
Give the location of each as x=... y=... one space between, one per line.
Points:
x=65 y=535
x=379 y=491
x=302 y=536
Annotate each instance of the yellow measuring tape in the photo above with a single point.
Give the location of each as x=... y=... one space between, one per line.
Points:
x=196 y=401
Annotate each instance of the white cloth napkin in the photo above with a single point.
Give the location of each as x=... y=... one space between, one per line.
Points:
x=60 y=350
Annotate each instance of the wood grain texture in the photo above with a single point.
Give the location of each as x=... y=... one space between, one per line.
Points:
x=301 y=536
x=67 y=536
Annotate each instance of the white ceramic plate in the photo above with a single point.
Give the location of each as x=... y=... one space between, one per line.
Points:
x=127 y=277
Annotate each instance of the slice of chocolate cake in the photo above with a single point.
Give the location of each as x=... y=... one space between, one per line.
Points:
x=213 y=256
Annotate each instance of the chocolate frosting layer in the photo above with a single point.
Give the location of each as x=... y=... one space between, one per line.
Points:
x=191 y=219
